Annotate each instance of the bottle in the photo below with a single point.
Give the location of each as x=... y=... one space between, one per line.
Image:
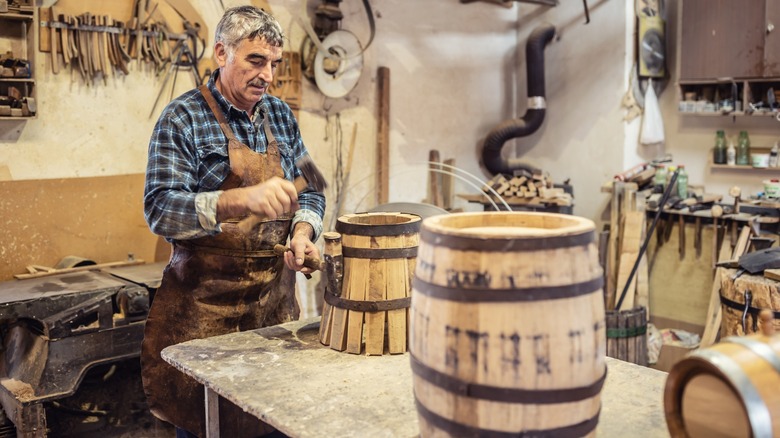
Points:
x=682 y=182
x=743 y=149
x=773 y=156
x=659 y=180
x=731 y=154
x=719 y=152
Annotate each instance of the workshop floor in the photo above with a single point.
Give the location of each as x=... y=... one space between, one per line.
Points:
x=109 y=403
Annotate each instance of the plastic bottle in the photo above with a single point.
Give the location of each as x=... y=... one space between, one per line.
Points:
x=731 y=154
x=682 y=182
x=719 y=151
x=659 y=180
x=773 y=156
x=743 y=149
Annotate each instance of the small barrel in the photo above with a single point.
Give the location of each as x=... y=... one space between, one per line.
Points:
x=507 y=326
x=627 y=335
x=727 y=390
x=371 y=309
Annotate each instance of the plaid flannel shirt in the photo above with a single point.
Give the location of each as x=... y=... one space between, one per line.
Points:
x=188 y=162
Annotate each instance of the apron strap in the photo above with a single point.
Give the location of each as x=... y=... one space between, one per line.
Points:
x=212 y=102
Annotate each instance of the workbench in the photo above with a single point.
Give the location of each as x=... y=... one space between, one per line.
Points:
x=285 y=377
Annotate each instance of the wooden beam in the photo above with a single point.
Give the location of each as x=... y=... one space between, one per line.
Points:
x=383 y=136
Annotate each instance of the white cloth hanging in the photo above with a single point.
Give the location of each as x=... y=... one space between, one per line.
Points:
x=652 y=122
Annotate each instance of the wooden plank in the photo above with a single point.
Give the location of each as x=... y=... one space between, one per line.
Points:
x=631 y=243
x=383 y=136
x=435 y=196
x=772 y=274
x=397 y=287
x=612 y=248
x=48 y=272
x=338 y=332
x=375 y=321
x=358 y=288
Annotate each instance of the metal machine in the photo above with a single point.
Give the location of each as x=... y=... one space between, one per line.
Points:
x=53 y=329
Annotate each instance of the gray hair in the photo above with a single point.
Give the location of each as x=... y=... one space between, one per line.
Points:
x=247 y=22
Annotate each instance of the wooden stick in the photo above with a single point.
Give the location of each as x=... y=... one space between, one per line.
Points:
x=78 y=268
x=383 y=136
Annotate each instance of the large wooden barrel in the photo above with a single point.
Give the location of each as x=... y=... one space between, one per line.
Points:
x=371 y=308
x=727 y=390
x=507 y=331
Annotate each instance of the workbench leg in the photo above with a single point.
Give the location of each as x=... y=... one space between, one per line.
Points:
x=212 y=414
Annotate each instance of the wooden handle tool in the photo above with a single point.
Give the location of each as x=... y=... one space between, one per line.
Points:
x=308 y=261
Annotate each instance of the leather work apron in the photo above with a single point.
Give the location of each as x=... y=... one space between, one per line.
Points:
x=215 y=285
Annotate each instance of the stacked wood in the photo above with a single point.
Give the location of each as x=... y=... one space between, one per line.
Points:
x=527 y=187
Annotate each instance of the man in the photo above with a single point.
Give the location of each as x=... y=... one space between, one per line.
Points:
x=219 y=153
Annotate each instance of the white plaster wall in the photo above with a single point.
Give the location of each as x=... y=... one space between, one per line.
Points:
x=457 y=70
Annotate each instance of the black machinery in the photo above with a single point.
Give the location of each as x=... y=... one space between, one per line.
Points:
x=55 y=328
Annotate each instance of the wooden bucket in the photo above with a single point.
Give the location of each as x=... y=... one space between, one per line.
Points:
x=508 y=330
x=371 y=308
x=742 y=299
x=627 y=335
x=727 y=390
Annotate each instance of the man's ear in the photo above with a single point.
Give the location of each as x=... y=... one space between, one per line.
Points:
x=220 y=54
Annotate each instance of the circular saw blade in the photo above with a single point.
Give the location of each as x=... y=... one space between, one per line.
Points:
x=338 y=74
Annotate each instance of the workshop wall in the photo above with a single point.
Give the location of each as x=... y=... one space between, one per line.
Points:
x=457 y=71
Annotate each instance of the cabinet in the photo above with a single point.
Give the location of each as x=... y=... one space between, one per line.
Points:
x=17 y=58
x=729 y=39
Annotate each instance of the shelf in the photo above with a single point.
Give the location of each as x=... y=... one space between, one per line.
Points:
x=745 y=167
x=21 y=80
x=14 y=16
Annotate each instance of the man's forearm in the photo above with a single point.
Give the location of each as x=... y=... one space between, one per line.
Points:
x=303 y=228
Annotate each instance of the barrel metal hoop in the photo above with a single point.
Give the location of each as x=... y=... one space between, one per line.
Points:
x=379 y=253
x=367 y=306
x=627 y=332
x=496 y=244
x=378 y=230
x=761 y=349
x=457 y=429
x=758 y=413
x=501 y=394
x=485 y=295
x=741 y=306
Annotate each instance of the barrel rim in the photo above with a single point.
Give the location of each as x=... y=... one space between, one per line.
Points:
x=721 y=365
x=410 y=226
x=439 y=225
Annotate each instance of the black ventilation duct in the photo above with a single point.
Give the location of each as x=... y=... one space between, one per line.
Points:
x=534 y=116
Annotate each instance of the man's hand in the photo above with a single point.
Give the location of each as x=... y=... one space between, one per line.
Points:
x=301 y=246
x=271 y=198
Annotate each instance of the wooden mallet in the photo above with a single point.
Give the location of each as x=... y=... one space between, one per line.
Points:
x=310 y=177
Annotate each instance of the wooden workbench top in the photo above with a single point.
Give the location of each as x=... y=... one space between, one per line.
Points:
x=285 y=377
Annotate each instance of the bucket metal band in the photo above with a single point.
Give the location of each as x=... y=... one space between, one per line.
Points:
x=518 y=294
x=462 y=388
x=761 y=349
x=757 y=411
x=379 y=253
x=627 y=332
x=501 y=244
x=367 y=306
x=457 y=429
x=378 y=230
